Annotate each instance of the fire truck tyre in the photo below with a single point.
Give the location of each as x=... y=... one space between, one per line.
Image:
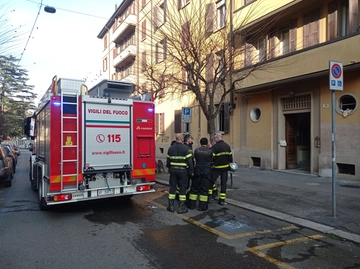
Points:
x=42 y=203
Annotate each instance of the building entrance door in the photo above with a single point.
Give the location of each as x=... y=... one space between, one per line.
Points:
x=297 y=132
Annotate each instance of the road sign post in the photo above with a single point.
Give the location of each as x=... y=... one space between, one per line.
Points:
x=336 y=83
x=186 y=115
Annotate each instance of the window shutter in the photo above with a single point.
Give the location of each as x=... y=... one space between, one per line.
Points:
x=143 y=32
x=159 y=123
x=156 y=17
x=306 y=27
x=209 y=17
x=183 y=73
x=272 y=46
x=332 y=21
x=292 y=35
x=315 y=27
x=353 y=16
x=210 y=67
x=143 y=63
x=227 y=117
x=177 y=121
x=157 y=53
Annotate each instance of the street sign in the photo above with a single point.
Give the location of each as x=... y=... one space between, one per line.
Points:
x=186 y=115
x=336 y=76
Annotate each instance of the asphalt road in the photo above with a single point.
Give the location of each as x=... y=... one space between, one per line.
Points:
x=140 y=233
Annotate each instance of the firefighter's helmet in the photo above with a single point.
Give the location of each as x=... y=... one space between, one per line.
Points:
x=233 y=167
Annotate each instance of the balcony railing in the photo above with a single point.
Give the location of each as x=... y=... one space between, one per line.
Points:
x=127 y=26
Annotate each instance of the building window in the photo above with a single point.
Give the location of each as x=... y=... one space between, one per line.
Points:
x=255 y=51
x=160 y=51
x=311 y=28
x=255 y=114
x=221 y=14
x=343 y=18
x=182 y=3
x=346 y=104
x=105 y=66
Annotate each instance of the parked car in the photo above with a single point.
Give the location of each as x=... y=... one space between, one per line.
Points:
x=15 y=149
x=6 y=168
x=10 y=153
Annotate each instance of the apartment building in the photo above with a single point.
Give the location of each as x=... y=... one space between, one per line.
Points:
x=279 y=115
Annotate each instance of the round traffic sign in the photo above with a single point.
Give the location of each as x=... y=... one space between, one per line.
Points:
x=336 y=71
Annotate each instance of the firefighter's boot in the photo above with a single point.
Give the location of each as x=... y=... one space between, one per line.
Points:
x=182 y=208
x=171 y=205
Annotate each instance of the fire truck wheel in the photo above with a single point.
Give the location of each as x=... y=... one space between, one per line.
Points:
x=42 y=203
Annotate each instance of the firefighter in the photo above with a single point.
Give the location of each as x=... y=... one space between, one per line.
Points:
x=221 y=159
x=180 y=165
x=188 y=141
x=202 y=176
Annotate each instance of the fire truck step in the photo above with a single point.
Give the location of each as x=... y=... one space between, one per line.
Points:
x=70 y=161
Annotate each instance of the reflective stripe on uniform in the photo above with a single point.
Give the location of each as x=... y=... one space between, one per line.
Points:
x=193 y=197
x=222 y=153
x=222 y=195
x=171 y=196
x=221 y=166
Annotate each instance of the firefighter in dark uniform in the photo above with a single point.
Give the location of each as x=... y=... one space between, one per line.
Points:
x=180 y=165
x=202 y=176
x=188 y=141
x=221 y=159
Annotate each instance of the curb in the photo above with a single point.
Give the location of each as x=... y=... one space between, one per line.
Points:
x=288 y=218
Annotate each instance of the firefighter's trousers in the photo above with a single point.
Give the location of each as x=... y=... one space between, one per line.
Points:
x=178 y=178
x=200 y=187
x=223 y=177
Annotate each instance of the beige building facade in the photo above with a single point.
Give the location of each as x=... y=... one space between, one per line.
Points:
x=281 y=116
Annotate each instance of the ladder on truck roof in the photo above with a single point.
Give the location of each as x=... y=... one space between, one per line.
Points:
x=69 y=158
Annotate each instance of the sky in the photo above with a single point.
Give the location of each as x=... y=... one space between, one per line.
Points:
x=64 y=43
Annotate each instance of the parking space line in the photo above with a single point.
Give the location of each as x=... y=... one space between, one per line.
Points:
x=257 y=250
x=221 y=234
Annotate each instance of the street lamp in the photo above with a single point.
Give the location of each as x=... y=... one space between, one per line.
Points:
x=49 y=9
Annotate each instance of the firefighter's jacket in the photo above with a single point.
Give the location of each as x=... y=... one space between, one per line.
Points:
x=203 y=157
x=221 y=155
x=180 y=157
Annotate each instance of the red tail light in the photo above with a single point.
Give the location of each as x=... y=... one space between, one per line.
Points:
x=62 y=197
x=144 y=188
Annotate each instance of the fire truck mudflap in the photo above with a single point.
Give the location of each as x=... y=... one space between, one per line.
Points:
x=91 y=147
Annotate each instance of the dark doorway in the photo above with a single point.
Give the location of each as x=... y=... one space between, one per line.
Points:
x=297 y=131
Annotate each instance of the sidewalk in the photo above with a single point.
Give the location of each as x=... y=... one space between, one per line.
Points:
x=302 y=199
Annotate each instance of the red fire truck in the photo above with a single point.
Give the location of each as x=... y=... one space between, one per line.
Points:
x=90 y=147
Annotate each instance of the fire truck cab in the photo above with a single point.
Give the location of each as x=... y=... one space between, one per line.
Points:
x=91 y=144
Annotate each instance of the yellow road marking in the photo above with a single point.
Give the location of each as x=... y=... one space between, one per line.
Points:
x=229 y=237
x=256 y=250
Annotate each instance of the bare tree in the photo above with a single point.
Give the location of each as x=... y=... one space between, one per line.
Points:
x=9 y=34
x=198 y=53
